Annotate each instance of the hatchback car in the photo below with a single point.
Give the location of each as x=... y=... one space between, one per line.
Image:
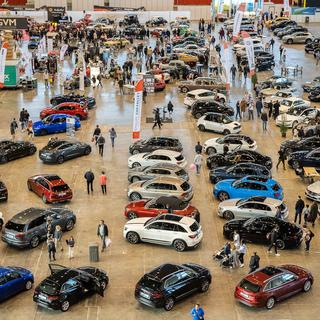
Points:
x=155 y=143
x=201 y=83
x=199 y=108
x=14 y=280
x=70 y=108
x=251 y=207
x=268 y=285
x=165 y=285
x=249 y=186
x=166 y=229
x=10 y=150
x=160 y=186
x=66 y=286
x=60 y=150
x=50 y=187
x=292 y=102
x=160 y=169
x=54 y=124
x=161 y=205
x=203 y=95
x=28 y=227
x=218 y=122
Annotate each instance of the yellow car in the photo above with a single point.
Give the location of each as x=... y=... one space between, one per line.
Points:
x=269 y=23
x=188 y=58
x=119 y=42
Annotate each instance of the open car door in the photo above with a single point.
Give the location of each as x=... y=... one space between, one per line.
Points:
x=54 y=268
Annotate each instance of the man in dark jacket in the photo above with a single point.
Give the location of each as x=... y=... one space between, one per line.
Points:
x=313 y=213
x=276 y=110
x=259 y=107
x=274 y=235
x=198 y=148
x=282 y=158
x=254 y=262
x=89 y=176
x=103 y=233
x=299 y=208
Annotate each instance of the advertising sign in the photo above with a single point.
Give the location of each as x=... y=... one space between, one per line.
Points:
x=63 y=51
x=138 y=93
x=10 y=76
x=55 y=13
x=237 y=23
x=260 y=4
x=70 y=130
x=3 y=56
x=9 y=23
x=149 y=82
x=310 y=11
x=227 y=59
x=249 y=50
x=286 y=5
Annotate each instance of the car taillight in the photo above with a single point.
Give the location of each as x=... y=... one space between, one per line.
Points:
x=19 y=235
x=51 y=298
x=184 y=194
x=277 y=194
x=192 y=236
x=156 y=295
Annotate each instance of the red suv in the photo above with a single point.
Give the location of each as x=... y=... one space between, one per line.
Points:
x=70 y=108
x=50 y=187
x=266 y=286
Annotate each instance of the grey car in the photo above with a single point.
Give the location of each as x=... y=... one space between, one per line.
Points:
x=202 y=83
x=29 y=227
x=160 y=169
x=298 y=37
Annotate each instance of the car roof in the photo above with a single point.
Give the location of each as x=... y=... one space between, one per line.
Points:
x=167 y=179
x=199 y=91
x=264 y=274
x=163 y=137
x=166 y=152
x=266 y=200
x=237 y=136
x=164 y=271
x=164 y=165
x=70 y=103
x=27 y=215
x=259 y=179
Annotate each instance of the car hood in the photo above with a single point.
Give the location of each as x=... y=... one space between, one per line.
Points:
x=224 y=183
x=137 y=221
x=314 y=187
x=38 y=124
x=298 y=154
x=228 y=203
x=137 y=157
x=135 y=185
x=211 y=141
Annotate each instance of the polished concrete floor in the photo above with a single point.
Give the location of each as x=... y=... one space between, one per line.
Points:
x=126 y=263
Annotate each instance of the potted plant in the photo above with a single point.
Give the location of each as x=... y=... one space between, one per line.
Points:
x=283 y=129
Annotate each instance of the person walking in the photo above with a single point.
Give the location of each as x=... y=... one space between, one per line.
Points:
x=22 y=119
x=58 y=237
x=306 y=215
x=274 y=235
x=96 y=134
x=94 y=80
x=89 y=176
x=103 y=182
x=276 y=110
x=144 y=95
x=170 y=108
x=281 y=50
x=101 y=141
x=250 y=109
x=271 y=43
x=30 y=129
x=233 y=71
x=197 y=312
x=299 y=208
x=13 y=128
x=99 y=78
x=120 y=83
x=281 y=159
x=157 y=119
x=113 y=135
x=243 y=107
x=70 y=243
x=46 y=78
x=254 y=262
x=236 y=239
x=103 y=233
x=242 y=252
x=238 y=111
x=307 y=238
x=259 y=107
x=198 y=147
x=198 y=162
x=51 y=248
x=317 y=57
x=235 y=257
x=313 y=212
x=225 y=148
x=264 y=118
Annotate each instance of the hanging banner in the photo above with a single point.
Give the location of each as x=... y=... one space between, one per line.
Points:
x=42 y=47
x=237 y=24
x=13 y=23
x=3 y=56
x=227 y=59
x=138 y=93
x=50 y=44
x=55 y=13
x=63 y=51
x=286 y=6
x=260 y=4
x=220 y=7
x=247 y=40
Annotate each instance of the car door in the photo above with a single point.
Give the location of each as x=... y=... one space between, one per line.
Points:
x=290 y=285
x=4 y=288
x=309 y=114
x=152 y=232
x=312 y=159
x=218 y=121
x=72 y=290
x=14 y=283
x=70 y=150
x=244 y=190
x=246 y=210
x=153 y=210
x=255 y=232
x=37 y=227
x=15 y=150
x=153 y=159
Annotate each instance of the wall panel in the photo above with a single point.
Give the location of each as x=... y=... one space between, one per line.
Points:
x=50 y=3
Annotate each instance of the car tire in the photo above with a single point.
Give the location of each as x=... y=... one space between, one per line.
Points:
x=222 y=196
x=270 y=303
x=226 y=132
x=65 y=305
x=179 y=245
x=34 y=242
x=135 y=179
x=169 y=304
x=280 y=244
x=79 y=116
x=308 y=41
x=4 y=159
x=44 y=199
x=307 y=285
x=295 y=164
x=201 y=127
x=60 y=160
x=69 y=225
x=228 y=215
x=136 y=165
x=184 y=89
x=32 y=150
x=132 y=215
x=135 y=151
x=222 y=100
x=133 y=237
x=198 y=115
x=87 y=151
x=43 y=132
x=204 y=286
x=135 y=196
x=290 y=41
x=28 y=285
x=211 y=150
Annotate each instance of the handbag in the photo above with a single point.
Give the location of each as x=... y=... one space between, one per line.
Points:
x=108 y=242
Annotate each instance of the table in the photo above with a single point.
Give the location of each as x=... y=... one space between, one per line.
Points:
x=128 y=89
x=309 y=173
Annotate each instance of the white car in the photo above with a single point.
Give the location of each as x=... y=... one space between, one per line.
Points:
x=157 y=156
x=202 y=95
x=296 y=115
x=166 y=229
x=1 y=220
x=256 y=47
x=286 y=104
x=313 y=191
x=241 y=45
x=233 y=141
x=251 y=207
x=273 y=91
x=280 y=95
x=218 y=122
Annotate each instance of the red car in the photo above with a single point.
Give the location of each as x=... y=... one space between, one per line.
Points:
x=159 y=85
x=50 y=187
x=266 y=286
x=152 y=208
x=70 y=108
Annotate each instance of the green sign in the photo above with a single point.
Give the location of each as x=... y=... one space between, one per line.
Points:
x=10 y=76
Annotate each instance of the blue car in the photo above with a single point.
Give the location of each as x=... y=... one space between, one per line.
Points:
x=54 y=123
x=14 y=280
x=249 y=186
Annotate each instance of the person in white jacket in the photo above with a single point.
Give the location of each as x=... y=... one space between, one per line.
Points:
x=198 y=162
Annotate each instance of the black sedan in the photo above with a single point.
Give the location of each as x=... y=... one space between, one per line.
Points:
x=233 y=157
x=238 y=171
x=156 y=22
x=310 y=47
x=264 y=64
x=66 y=286
x=10 y=150
x=306 y=158
x=199 y=108
x=256 y=230
x=155 y=143
x=60 y=150
x=165 y=285
x=314 y=96
x=89 y=101
x=306 y=144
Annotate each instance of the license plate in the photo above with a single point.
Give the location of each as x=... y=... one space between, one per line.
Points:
x=62 y=194
x=42 y=297
x=144 y=295
x=244 y=295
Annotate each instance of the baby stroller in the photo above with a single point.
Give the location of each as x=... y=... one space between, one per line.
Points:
x=219 y=255
x=226 y=262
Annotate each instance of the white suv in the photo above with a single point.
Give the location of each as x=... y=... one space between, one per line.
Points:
x=166 y=229
x=203 y=95
x=292 y=102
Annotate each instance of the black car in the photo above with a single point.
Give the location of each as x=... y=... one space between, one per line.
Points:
x=263 y=54
x=156 y=22
x=264 y=64
x=306 y=158
x=283 y=24
x=3 y=192
x=90 y=102
x=165 y=285
x=238 y=171
x=310 y=47
x=195 y=40
x=306 y=144
x=291 y=31
x=66 y=286
x=10 y=150
x=155 y=143
x=314 y=96
x=278 y=83
x=60 y=150
x=256 y=230
x=129 y=19
x=131 y=31
x=237 y=156
x=199 y=108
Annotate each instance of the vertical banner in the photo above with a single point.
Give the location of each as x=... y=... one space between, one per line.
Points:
x=138 y=93
x=227 y=59
x=220 y=8
x=3 y=56
x=63 y=51
x=213 y=10
x=249 y=50
x=70 y=129
x=286 y=6
x=50 y=44
x=237 y=21
x=260 y=5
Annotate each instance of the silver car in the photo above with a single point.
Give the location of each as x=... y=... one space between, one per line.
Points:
x=160 y=169
x=29 y=227
x=298 y=37
x=160 y=186
x=251 y=207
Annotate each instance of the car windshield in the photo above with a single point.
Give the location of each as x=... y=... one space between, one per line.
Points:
x=181 y=172
x=15 y=226
x=293 y=111
x=61 y=188
x=51 y=288
x=194 y=227
x=150 y=283
x=287 y=103
x=179 y=157
x=276 y=187
x=227 y=120
x=185 y=186
x=249 y=286
x=219 y=140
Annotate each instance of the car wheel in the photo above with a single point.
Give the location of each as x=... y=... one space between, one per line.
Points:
x=32 y=150
x=78 y=116
x=228 y=215
x=307 y=286
x=65 y=306
x=135 y=196
x=87 y=151
x=34 y=242
x=132 y=215
x=136 y=165
x=270 y=303
x=69 y=225
x=179 y=245
x=28 y=285
x=103 y=284
x=198 y=115
x=60 y=159
x=133 y=237
x=295 y=164
x=135 y=151
x=43 y=132
x=226 y=132
x=205 y=286
x=222 y=196
x=290 y=41
x=280 y=244
x=44 y=199
x=184 y=89
x=211 y=150
x=202 y=127
x=222 y=100
x=4 y=159
x=168 y=304
x=135 y=179
x=308 y=41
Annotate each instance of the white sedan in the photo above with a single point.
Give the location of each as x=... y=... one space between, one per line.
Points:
x=313 y=191
x=286 y=104
x=251 y=207
x=158 y=156
x=241 y=45
x=203 y=95
x=218 y=122
x=232 y=141
x=296 y=115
